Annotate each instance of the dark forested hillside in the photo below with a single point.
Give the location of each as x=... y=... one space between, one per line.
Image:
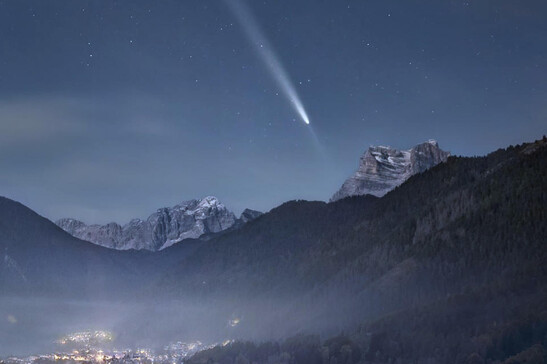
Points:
x=40 y=259
x=450 y=267
x=470 y=218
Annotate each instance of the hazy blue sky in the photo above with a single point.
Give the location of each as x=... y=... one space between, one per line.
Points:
x=110 y=109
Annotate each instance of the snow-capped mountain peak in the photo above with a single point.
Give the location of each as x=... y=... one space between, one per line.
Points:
x=165 y=227
x=382 y=168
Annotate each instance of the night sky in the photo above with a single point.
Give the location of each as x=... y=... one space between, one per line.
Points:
x=111 y=109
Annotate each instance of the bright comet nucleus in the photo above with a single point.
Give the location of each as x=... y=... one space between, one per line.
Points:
x=268 y=56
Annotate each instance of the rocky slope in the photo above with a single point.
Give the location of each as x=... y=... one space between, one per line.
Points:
x=165 y=227
x=381 y=169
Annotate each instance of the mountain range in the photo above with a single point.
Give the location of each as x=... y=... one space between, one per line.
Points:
x=167 y=226
x=381 y=169
x=448 y=267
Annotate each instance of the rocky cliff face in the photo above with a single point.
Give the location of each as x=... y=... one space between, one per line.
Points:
x=381 y=169
x=165 y=227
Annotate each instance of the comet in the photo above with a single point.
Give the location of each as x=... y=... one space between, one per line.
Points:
x=266 y=53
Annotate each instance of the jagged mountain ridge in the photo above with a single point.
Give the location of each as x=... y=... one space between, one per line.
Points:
x=167 y=226
x=381 y=168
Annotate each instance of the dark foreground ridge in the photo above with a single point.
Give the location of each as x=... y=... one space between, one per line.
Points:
x=447 y=268
x=453 y=263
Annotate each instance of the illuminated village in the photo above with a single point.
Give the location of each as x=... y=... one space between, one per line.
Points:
x=92 y=347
